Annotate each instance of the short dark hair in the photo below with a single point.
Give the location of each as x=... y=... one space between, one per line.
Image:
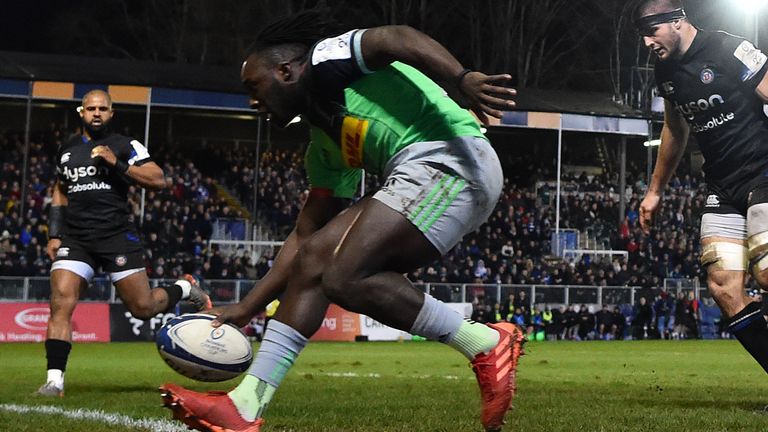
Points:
x=645 y=7
x=294 y=34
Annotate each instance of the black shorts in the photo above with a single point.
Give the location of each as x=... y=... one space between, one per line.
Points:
x=113 y=254
x=738 y=199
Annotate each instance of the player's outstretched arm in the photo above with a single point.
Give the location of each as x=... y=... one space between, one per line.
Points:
x=319 y=209
x=674 y=137
x=482 y=93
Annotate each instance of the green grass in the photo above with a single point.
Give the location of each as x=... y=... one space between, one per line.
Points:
x=588 y=386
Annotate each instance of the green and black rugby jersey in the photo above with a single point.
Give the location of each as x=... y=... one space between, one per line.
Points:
x=361 y=118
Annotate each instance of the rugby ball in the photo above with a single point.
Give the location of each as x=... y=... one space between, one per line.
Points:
x=196 y=350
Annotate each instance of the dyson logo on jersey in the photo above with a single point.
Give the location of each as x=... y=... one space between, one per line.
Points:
x=73 y=174
x=689 y=109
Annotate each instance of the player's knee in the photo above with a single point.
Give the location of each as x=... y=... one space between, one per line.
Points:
x=309 y=262
x=62 y=307
x=336 y=285
x=720 y=255
x=725 y=291
x=761 y=277
x=758 y=244
x=142 y=309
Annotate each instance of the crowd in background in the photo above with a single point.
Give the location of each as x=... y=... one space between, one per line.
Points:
x=513 y=247
x=660 y=315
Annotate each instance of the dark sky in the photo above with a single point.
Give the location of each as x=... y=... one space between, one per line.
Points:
x=28 y=25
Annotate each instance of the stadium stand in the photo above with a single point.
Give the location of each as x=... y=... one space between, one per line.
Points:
x=513 y=247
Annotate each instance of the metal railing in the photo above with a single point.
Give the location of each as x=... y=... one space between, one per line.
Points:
x=224 y=291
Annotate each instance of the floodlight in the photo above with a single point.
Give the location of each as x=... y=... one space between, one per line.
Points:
x=652 y=143
x=750 y=5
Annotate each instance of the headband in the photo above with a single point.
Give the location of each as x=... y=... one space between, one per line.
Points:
x=649 y=21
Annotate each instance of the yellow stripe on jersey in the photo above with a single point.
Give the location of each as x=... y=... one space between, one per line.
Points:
x=353 y=131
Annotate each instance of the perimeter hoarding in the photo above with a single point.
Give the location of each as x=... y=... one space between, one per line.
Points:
x=28 y=322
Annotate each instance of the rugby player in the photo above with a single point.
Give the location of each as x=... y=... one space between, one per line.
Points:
x=714 y=85
x=89 y=227
x=371 y=99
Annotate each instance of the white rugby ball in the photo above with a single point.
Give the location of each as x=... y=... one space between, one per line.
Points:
x=196 y=350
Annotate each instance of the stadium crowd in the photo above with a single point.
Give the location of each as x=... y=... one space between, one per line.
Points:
x=513 y=247
x=667 y=315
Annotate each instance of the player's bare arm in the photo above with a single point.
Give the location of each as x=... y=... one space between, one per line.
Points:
x=762 y=89
x=476 y=90
x=674 y=136
x=148 y=175
x=319 y=209
x=59 y=199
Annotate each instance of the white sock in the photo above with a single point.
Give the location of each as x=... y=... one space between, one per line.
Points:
x=185 y=286
x=57 y=376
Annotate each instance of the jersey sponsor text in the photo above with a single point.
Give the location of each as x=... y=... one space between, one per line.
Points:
x=353 y=132
x=689 y=109
x=88 y=187
x=73 y=174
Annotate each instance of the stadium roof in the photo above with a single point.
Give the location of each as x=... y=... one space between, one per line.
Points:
x=562 y=101
x=49 y=67
x=203 y=86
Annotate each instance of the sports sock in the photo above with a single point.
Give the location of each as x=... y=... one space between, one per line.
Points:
x=750 y=329
x=174 y=293
x=57 y=353
x=277 y=353
x=186 y=288
x=439 y=322
x=474 y=338
x=57 y=376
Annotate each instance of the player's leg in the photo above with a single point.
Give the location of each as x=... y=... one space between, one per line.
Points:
x=242 y=408
x=123 y=258
x=144 y=303
x=724 y=254
x=372 y=243
x=757 y=236
x=68 y=280
x=387 y=238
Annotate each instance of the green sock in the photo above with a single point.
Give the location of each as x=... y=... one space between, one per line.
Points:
x=474 y=338
x=251 y=397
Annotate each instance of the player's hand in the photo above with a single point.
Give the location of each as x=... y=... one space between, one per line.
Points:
x=484 y=96
x=53 y=248
x=648 y=208
x=104 y=153
x=235 y=314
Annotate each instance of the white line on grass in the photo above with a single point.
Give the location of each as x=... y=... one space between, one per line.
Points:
x=378 y=375
x=98 y=416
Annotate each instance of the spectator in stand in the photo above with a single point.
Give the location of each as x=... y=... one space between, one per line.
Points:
x=586 y=323
x=604 y=321
x=619 y=322
x=570 y=323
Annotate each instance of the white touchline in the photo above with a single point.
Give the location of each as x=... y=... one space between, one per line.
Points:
x=378 y=375
x=154 y=425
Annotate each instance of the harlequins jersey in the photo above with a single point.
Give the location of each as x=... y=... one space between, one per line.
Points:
x=713 y=87
x=97 y=194
x=361 y=118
